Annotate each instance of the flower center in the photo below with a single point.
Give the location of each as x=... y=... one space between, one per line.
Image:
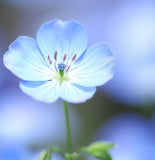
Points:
x=61 y=68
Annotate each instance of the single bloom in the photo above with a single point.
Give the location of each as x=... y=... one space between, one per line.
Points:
x=58 y=64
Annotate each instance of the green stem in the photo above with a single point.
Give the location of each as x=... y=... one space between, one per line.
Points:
x=68 y=132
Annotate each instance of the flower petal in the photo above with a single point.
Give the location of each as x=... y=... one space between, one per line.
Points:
x=68 y=38
x=46 y=91
x=76 y=94
x=94 y=68
x=25 y=60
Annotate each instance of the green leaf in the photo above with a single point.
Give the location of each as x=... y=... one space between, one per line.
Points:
x=103 y=155
x=98 y=146
x=45 y=155
x=55 y=149
x=98 y=150
x=101 y=146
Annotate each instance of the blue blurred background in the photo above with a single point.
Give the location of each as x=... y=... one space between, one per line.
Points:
x=123 y=110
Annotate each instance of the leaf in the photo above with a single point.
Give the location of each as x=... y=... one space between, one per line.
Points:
x=98 y=146
x=45 y=155
x=103 y=155
x=98 y=150
x=101 y=146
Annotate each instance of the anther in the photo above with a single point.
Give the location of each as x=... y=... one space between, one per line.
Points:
x=49 y=59
x=55 y=55
x=74 y=57
x=64 y=57
x=67 y=69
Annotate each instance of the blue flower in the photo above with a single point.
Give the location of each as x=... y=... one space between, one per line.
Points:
x=58 y=65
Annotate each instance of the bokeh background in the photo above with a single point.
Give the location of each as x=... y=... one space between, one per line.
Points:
x=122 y=111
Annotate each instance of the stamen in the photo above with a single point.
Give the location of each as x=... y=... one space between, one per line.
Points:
x=55 y=56
x=74 y=57
x=49 y=59
x=64 y=57
x=67 y=69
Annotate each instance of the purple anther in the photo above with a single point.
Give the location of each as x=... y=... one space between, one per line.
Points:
x=67 y=69
x=64 y=57
x=74 y=57
x=55 y=55
x=49 y=59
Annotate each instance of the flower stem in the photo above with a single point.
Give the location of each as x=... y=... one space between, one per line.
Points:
x=68 y=132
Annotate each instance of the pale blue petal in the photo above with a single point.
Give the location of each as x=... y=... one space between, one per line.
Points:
x=24 y=59
x=68 y=38
x=76 y=94
x=47 y=91
x=94 y=68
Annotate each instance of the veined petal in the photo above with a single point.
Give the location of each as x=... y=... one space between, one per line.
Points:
x=46 y=91
x=25 y=60
x=76 y=94
x=68 y=38
x=94 y=68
